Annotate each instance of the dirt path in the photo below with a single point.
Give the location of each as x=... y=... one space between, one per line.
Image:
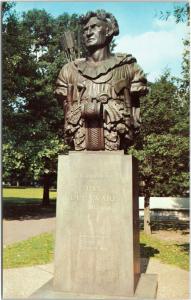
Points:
x=179 y=236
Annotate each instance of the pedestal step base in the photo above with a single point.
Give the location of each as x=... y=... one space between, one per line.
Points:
x=146 y=289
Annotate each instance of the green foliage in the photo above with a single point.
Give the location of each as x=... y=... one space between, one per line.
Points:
x=164 y=165
x=163 y=146
x=181 y=13
x=33 y=120
x=159 y=107
x=6 y=8
x=13 y=162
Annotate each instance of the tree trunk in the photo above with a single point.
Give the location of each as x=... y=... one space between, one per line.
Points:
x=147 y=218
x=46 y=200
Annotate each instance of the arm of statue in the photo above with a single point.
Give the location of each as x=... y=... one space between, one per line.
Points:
x=72 y=110
x=138 y=88
x=63 y=91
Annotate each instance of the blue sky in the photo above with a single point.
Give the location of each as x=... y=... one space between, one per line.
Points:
x=155 y=43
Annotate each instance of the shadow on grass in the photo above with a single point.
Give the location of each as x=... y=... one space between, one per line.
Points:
x=184 y=247
x=27 y=209
x=146 y=252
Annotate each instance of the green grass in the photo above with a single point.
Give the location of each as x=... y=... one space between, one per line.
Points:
x=34 y=251
x=26 y=203
x=17 y=194
x=39 y=250
x=168 y=252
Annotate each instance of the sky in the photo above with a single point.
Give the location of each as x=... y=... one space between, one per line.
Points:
x=157 y=44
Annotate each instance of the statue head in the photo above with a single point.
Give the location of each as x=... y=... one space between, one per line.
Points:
x=98 y=28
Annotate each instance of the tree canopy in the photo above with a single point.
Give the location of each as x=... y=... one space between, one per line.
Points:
x=32 y=118
x=162 y=149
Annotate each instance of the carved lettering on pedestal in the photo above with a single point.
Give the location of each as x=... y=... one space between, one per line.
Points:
x=94 y=200
x=92 y=188
x=93 y=242
x=105 y=201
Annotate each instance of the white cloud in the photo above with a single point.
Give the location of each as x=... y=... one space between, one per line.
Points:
x=157 y=49
x=168 y=24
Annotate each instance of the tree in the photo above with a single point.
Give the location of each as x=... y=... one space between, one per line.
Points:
x=14 y=52
x=163 y=146
x=29 y=99
x=45 y=33
x=181 y=14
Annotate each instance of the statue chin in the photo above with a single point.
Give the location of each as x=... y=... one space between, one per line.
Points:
x=91 y=47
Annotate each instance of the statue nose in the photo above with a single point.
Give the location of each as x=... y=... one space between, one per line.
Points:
x=89 y=32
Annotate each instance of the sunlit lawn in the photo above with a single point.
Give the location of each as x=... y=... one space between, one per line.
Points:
x=26 y=203
x=16 y=194
x=34 y=251
x=172 y=252
x=39 y=250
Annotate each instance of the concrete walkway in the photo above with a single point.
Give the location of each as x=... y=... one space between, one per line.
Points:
x=15 y=231
x=21 y=283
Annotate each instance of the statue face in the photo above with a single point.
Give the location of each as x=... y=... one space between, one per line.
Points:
x=95 y=33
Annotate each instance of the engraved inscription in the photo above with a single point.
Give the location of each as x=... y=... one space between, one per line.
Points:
x=94 y=242
x=92 y=188
x=102 y=201
x=74 y=198
x=94 y=200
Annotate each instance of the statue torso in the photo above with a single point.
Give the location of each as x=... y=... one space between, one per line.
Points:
x=84 y=83
x=108 y=77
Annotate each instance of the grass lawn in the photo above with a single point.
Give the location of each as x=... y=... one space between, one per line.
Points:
x=25 y=194
x=34 y=251
x=168 y=252
x=25 y=203
x=39 y=250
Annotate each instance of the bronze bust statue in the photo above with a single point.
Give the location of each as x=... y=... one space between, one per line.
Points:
x=100 y=93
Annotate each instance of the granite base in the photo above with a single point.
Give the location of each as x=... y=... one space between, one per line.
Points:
x=146 y=289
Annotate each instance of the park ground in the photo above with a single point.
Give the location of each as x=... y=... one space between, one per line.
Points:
x=28 y=246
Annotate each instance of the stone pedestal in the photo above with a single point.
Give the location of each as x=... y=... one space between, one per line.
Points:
x=146 y=289
x=97 y=229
